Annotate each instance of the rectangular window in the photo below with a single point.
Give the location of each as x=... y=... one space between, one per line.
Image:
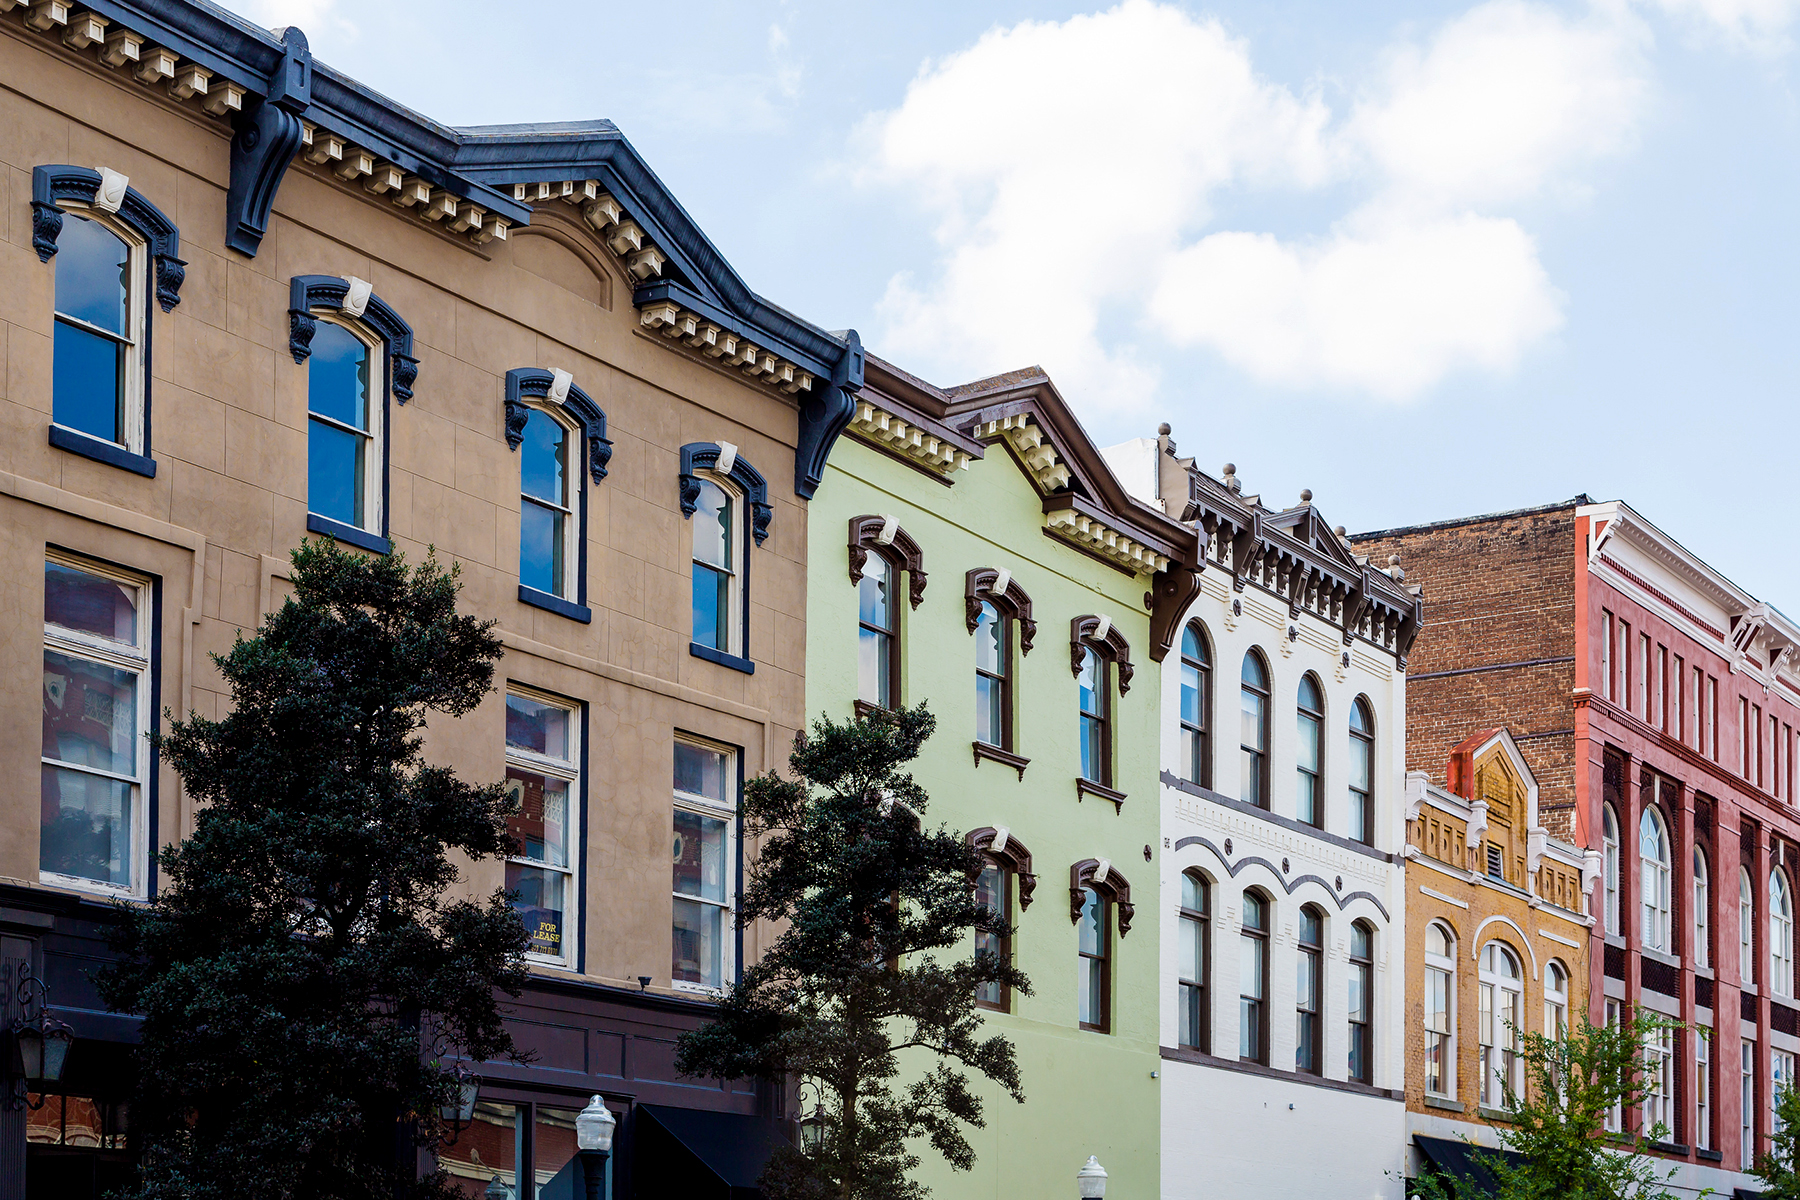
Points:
x=1615 y=1116
x=1095 y=982
x=1625 y=670
x=1756 y=751
x=1642 y=698
x=1775 y=748
x=1746 y=739
x=993 y=890
x=1661 y=705
x=1096 y=687
x=1712 y=715
x=1437 y=1031
x=344 y=466
x=96 y=728
x=543 y=775
x=1659 y=1083
x=97 y=371
x=1747 y=1107
x=705 y=860
x=1608 y=688
x=1698 y=720
x=1679 y=682
x=1781 y=1078
x=1703 y=1089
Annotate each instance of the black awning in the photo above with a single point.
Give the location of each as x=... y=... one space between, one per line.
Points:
x=1465 y=1162
x=1745 y=1194
x=690 y=1152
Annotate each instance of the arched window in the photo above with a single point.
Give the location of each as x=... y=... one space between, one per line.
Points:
x=1094 y=682
x=1610 y=836
x=1502 y=1001
x=1440 y=1010
x=549 y=492
x=1746 y=927
x=344 y=430
x=1309 y=753
x=1362 y=983
x=878 y=634
x=1308 y=984
x=1095 y=938
x=993 y=677
x=993 y=889
x=1362 y=771
x=717 y=550
x=1781 y=935
x=1702 y=911
x=1196 y=929
x=1196 y=707
x=1653 y=879
x=1253 y=786
x=1253 y=980
x=1556 y=1001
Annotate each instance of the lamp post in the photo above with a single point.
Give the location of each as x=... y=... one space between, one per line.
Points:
x=594 y=1138
x=1091 y=1179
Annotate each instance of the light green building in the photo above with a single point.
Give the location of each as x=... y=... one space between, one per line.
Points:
x=969 y=548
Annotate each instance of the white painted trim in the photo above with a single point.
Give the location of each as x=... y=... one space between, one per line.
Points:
x=1476 y=943
x=1569 y=942
x=1462 y=904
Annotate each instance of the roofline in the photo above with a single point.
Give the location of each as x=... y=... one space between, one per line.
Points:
x=1580 y=499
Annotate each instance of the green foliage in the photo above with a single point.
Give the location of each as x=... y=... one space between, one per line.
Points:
x=304 y=948
x=1557 y=1128
x=1779 y=1169
x=860 y=884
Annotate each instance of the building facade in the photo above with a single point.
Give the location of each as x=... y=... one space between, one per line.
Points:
x=246 y=300
x=1496 y=942
x=1282 y=878
x=1654 y=702
x=971 y=550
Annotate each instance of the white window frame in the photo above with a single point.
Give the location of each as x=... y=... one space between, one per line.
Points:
x=1653 y=879
x=137 y=323
x=1703 y=1089
x=1747 y=1105
x=1659 y=1083
x=1702 y=911
x=736 y=620
x=727 y=811
x=1444 y=966
x=110 y=654
x=375 y=476
x=1609 y=821
x=575 y=456
x=1500 y=1060
x=1746 y=930
x=1615 y=1116
x=1781 y=1078
x=568 y=770
x=1556 y=1001
x=1781 y=935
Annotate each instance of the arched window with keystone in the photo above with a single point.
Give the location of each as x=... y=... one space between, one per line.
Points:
x=559 y=434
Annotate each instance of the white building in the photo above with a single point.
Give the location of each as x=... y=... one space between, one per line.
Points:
x=1284 y=753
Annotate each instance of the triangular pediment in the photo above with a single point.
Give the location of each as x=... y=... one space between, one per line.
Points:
x=1305 y=525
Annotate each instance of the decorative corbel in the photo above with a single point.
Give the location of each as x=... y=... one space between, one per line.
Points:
x=1478 y=823
x=267 y=138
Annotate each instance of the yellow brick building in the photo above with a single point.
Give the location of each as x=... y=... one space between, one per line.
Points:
x=1496 y=932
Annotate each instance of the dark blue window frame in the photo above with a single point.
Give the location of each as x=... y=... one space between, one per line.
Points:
x=536 y=383
x=754 y=489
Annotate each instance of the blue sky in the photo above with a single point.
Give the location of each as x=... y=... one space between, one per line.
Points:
x=1428 y=259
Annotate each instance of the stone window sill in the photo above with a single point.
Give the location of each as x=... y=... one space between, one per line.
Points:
x=110 y=453
x=1005 y=758
x=724 y=660
x=555 y=604
x=350 y=535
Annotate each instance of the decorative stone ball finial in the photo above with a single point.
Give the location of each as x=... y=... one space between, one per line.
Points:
x=1231 y=481
x=1342 y=532
x=1163 y=430
x=1399 y=576
x=1306 y=495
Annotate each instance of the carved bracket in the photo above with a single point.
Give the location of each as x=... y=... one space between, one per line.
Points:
x=51 y=186
x=1086 y=633
x=1006 y=850
x=308 y=292
x=883 y=536
x=825 y=415
x=1010 y=600
x=704 y=456
x=267 y=138
x=1111 y=886
x=539 y=383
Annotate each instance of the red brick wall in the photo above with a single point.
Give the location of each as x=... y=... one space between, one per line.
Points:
x=1498 y=590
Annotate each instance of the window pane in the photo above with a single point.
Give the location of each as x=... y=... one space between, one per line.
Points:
x=1250 y=967
x=337 y=376
x=699 y=856
x=1307 y=752
x=1190 y=1015
x=1193 y=893
x=540 y=820
x=543 y=458
x=1312 y=929
x=1252 y=713
x=872 y=662
x=990 y=653
x=541 y=548
x=86 y=826
x=1249 y=1028
x=990 y=892
x=1089 y=682
x=88 y=387
x=1359 y=992
x=553 y=1151
x=1359 y=718
x=1190 y=694
x=485 y=1151
x=700 y=771
x=90 y=714
x=538 y=727
x=711 y=602
x=989 y=726
x=1360 y=774
x=874 y=593
x=712 y=526
x=698 y=943
x=539 y=905
x=1306 y=981
x=1091 y=755
x=335 y=473
x=92 y=274
x=1091 y=936
x=1092 y=989
x=1306 y=798
x=1193 y=949
x=87 y=603
x=1360 y=942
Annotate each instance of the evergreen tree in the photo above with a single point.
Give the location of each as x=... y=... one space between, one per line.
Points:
x=868 y=978
x=304 y=963
x=1556 y=1130
x=1779 y=1169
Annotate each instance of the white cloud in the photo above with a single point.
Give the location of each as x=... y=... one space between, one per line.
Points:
x=313 y=16
x=1755 y=24
x=1073 y=169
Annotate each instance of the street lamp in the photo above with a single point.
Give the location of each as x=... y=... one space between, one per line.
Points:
x=1091 y=1179
x=594 y=1138
x=497 y=1190
x=459 y=1112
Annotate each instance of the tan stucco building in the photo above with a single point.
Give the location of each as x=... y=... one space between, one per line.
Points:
x=245 y=300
